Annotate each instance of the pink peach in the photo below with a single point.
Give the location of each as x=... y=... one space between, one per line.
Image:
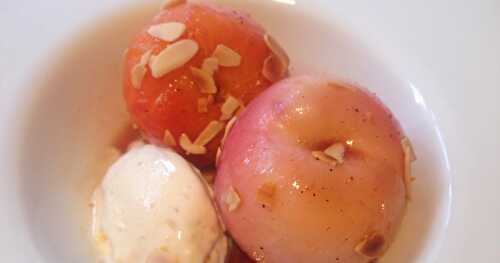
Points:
x=292 y=207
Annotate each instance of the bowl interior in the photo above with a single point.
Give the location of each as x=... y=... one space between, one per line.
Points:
x=77 y=110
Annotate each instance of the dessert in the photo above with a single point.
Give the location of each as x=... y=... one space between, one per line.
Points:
x=236 y=161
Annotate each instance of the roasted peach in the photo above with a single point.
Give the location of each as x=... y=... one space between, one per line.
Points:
x=313 y=171
x=181 y=69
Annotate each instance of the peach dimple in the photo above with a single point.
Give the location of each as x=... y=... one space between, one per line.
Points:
x=296 y=207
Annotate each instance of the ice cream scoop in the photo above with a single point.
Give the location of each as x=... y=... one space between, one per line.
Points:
x=154 y=207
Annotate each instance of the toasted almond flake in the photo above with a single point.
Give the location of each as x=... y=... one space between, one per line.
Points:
x=145 y=57
x=210 y=65
x=336 y=151
x=409 y=157
x=229 y=107
x=229 y=126
x=276 y=48
x=189 y=147
x=406 y=143
x=209 y=133
x=204 y=80
x=171 y=3
x=173 y=57
x=226 y=56
x=167 y=31
x=169 y=139
x=276 y=65
x=232 y=199
x=265 y=194
x=138 y=73
x=217 y=156
x=139 y=70
x=274 y=69
x=371 y=246
x=321 y=156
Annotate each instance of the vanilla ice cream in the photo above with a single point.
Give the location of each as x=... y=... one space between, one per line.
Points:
x=154 y=207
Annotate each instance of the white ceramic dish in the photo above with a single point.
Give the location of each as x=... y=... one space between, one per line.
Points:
x=60 y=74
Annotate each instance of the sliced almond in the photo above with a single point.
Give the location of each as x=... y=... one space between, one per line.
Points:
x=273 y=69
x=276 y=48
x=171 y=3
x=173 y=57
x=204 y=80
x=209 y=133
x=265 y=194
x=409 y=157
x=371 y=246
x=189 y=147
x=336 y=151
x=321 y=156
x=169 y=139
x=167 y=31
x=210 y=65
x=217 y=156
x=229 y=126
x=408 y=147
x=232 y=199
x=229 y=108
x=138 y=73
x=276 y=65
x=226 y=56
x=139 y=70
x=145 y=57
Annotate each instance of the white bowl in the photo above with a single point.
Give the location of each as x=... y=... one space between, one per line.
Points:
x=69 y=107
